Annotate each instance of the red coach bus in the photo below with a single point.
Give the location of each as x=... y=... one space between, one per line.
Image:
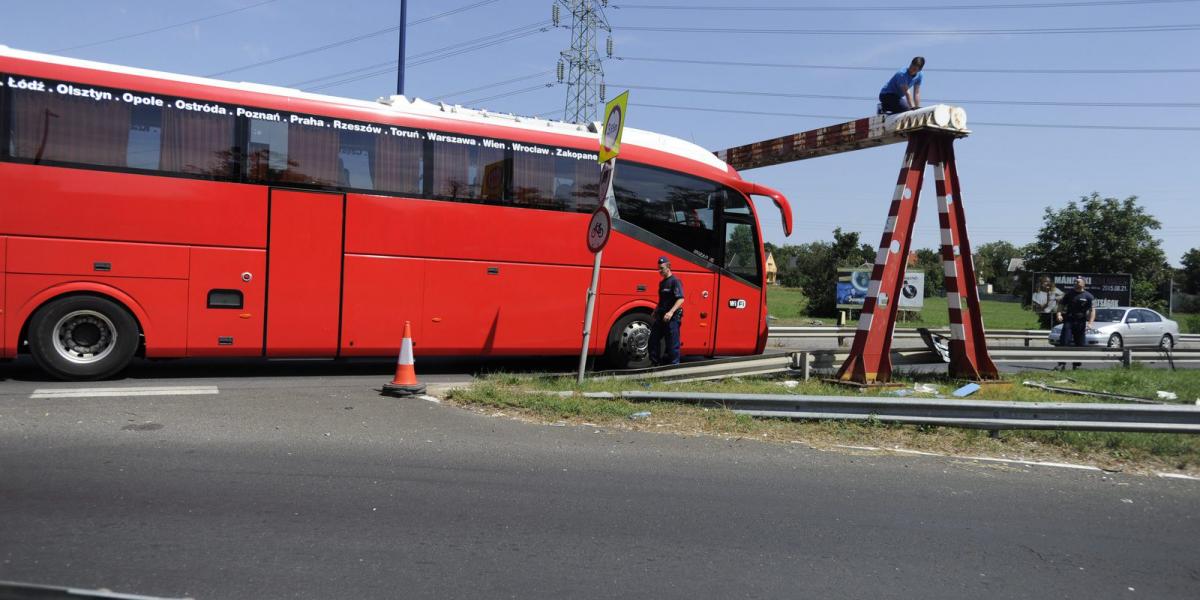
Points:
x=145 y=213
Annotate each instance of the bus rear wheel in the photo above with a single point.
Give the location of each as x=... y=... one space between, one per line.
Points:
x=629 y=342
x=82 y=338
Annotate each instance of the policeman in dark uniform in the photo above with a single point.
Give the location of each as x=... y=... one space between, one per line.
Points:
x=1077 y=313
x=668 y=315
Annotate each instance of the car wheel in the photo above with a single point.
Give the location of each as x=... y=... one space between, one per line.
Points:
x=1115 y=341
x=629 y=342
x=1167 y=342
x=82 y=338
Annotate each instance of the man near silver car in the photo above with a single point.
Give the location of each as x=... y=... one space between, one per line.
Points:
x=1077 y=313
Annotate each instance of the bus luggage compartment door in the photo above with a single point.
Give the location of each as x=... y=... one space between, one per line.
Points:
x=304 y=273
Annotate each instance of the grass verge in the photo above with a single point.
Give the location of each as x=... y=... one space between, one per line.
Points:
x=788 y=306
x=526 y=397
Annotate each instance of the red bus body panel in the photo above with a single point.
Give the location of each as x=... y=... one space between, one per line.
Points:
x=226 y=331
x=83 y=204
x=304 y=273
x=5 y=350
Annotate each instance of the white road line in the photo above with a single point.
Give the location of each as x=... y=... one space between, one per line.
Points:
x=1178 y=476
x=177 y=390
x=989 y=459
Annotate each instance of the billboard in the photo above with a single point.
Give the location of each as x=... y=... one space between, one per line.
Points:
x=852 y=287
x=1109 y=289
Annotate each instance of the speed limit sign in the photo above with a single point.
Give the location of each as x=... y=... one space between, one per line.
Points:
x=598 y=229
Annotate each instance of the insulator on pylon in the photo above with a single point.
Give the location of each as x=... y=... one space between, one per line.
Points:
x=602 y=90
x=560 y=71
x=604 y=3
x=609 y=46
x=554 y=15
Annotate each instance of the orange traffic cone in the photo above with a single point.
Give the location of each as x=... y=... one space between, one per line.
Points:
x=405 y=382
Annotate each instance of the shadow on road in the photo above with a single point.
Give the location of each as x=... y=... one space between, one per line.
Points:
x=24 y=369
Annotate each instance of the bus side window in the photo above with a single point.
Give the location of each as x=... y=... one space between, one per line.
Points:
x=267 y=151
x=533 y=181
x=471 y=173
x=576 y=184
x=70 y=129
x=399 y=163
x=354 y=160
x=56 y=127
x=312 y=155
x=671 y=205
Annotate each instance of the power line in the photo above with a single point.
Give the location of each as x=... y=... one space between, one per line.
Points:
x=416 y=59
x=972 y=123
x=492 y=85
x=357 y=38
x=507 y=94
x=727 y=63
x=164 y=27
x=896 y=32
x=943 y=100
x=430 y=57
x=896 y=7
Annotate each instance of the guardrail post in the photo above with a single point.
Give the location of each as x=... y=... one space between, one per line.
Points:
x=1127 y=358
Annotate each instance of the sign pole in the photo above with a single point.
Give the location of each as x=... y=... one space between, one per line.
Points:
x=587 y=318
x=600 y=225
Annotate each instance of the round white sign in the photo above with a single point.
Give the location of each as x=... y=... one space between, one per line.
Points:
x=598 y=229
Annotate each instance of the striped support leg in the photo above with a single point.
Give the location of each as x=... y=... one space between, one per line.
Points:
x=870 y=356
x=968 y=345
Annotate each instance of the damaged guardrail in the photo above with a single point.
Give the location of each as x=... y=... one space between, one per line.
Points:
x=805 y=362
x=842 y=333
x=973 y=414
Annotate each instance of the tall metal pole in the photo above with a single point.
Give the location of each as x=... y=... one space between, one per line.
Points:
x=400 y=63
x=587 y=317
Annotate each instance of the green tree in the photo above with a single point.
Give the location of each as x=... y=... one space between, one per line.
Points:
x=1104 y=235
x=1191 y=271
x=991 y=264
x=930 y=263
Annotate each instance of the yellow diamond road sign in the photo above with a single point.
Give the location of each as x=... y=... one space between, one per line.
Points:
x=614 y=124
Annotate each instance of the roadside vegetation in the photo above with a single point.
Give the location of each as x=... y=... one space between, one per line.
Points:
x=789 y=307
x=540 y=399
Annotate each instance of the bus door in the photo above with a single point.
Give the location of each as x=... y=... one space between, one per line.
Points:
x=304 y=273
x=738 y=302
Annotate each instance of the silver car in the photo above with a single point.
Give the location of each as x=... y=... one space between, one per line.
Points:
x=1121 y=326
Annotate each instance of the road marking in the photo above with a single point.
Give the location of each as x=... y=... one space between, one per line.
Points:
x=175 y=390
x=985 y=458
x=1178 y=476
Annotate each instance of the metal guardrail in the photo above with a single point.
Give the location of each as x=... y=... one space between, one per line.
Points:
x=841 y=333
x=721 y=368
x=804 y=362
x=976 y=414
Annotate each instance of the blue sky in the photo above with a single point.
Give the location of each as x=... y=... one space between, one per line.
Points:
x=1009 y=173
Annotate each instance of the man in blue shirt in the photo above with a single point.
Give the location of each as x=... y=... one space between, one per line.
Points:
x=668 y=315
x=903 y=91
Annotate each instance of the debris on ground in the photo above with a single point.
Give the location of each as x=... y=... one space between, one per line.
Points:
x=966 y=390
x=645 y=414
x=790 y=383
x=1167 y=395
x=925 y=388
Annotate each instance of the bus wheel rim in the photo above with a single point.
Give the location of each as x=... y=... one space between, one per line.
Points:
x=635 y=340
x=84 y=337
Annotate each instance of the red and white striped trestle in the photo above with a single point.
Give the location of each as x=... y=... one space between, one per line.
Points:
x=870 y=355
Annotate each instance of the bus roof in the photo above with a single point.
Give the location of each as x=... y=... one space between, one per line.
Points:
x=413 y=106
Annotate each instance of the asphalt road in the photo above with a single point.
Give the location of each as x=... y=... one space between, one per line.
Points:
x=314 y=486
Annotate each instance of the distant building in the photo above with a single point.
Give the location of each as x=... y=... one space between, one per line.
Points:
x=771 y=270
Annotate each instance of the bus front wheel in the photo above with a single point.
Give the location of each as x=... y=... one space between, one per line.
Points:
x=629 y=342
x=82 y=338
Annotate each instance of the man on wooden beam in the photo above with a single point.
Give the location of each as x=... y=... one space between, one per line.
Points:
x=903 y=91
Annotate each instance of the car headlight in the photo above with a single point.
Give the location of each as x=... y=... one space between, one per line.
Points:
x=1093 y=330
